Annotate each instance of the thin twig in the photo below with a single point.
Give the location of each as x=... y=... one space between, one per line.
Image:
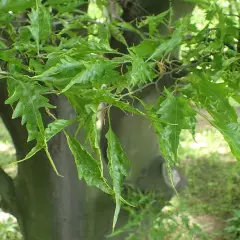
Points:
x=161 y=75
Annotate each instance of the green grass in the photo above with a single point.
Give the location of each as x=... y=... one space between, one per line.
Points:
x=213 y=175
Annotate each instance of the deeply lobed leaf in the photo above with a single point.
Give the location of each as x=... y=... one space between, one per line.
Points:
x=176 y=111
x=29 y=97
x=87 y=167
x=118 y=168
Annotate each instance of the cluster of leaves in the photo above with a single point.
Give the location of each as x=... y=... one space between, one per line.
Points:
x=146 y=219
x=9 y=230
x=234 y=228
x=56 y=48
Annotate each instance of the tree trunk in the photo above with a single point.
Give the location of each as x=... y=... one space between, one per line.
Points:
x=49 y=207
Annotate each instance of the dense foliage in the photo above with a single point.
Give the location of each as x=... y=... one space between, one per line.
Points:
x=55 y=48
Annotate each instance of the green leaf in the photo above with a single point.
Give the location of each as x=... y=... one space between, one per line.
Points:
x=130 y=27
x=53 y=129
x=16 y=5
x=230 y=61
x=59 y=68
x=81 y=46
x=145 y=48
x=101 y=96
x=87 y=167
x=117 y=34
x=45 y=23
x=3 y=45
x=40 y=27
x=154 y=21
x=118 y=168
x=231 y=133
x=63 y=6
x=214 y=97
x=35 y=28
x=179 y=115
x=168 y=46
x=142 y=72
x=36 y=65
x=29 y=97
x=92 y=72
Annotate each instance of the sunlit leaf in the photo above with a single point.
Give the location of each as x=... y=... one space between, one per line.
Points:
x=231 y=133
x=90 y=73
x=179 y=115
x=55 y=127
x=59 y=68
x=16 y=5
x=154 y=21
x=230 y=61
x=87 y=167
x=215 y=98
x=145 y=48
x=40 y=20
x=141 y=72
x=52 y=129
x=118 y=168
x=63 y=6
x=168 y=46
x=117 y=34
x=30 y=99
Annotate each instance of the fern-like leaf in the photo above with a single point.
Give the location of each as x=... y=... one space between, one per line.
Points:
x=29 y=99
